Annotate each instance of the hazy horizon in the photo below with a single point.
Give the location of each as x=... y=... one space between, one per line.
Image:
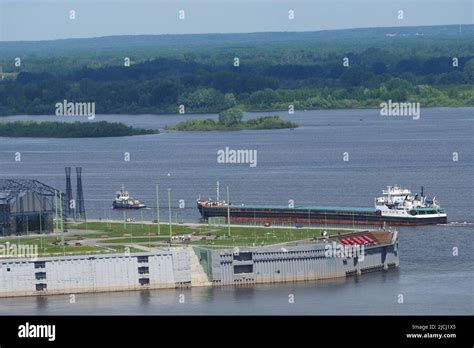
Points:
x=28 y=20
x=235 y=33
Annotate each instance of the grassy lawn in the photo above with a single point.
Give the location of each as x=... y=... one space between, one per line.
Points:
x=218 y=236
x=136 y=240
x=115 y=235
x=258 y=236
x=45 y=245
x=137 y=229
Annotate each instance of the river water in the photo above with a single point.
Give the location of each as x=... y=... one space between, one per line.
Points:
x=306 y=165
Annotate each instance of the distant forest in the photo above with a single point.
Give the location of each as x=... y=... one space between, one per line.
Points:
x=432 y=65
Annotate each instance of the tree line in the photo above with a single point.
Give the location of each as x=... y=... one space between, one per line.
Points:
x=209 y=81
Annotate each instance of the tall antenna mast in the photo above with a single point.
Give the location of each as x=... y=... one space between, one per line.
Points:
x=69 y=212
x=81 y=212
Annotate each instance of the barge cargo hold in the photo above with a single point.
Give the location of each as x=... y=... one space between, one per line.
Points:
x=397 y=207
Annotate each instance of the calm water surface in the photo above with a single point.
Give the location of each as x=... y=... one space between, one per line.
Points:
x=306 y=165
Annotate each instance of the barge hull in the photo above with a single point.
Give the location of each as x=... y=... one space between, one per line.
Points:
x=262 y=216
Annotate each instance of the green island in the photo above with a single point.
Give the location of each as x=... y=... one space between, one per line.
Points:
x=232 y=120
x=53 y=129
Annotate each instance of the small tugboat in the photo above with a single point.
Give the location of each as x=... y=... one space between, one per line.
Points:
x=124 y=201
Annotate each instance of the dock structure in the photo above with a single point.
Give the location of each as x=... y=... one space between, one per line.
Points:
x=302 y=261
x=26 y=206
x=187 y=266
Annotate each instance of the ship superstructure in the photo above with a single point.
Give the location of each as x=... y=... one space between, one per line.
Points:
x=398 y=201
x=124 y=201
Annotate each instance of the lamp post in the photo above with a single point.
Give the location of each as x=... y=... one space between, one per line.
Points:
x=158 y=207
x=169 y=213
x=228 y=211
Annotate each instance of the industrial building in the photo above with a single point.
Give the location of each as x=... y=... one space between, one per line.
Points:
x=26 y=206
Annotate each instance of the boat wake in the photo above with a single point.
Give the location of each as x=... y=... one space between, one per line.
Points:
x=458 y=224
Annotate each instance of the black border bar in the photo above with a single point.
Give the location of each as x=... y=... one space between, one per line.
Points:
x=223 y=330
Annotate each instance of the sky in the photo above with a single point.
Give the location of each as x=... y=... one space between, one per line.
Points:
x=50 y=19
